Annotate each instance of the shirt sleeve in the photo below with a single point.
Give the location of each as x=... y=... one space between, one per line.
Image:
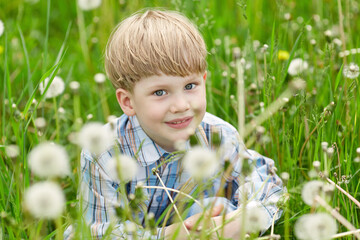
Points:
x=99 y=197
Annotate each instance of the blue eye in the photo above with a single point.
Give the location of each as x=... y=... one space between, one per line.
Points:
x=190 y=86
x=159 y=93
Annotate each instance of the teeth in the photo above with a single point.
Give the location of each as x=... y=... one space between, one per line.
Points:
x=178 y=122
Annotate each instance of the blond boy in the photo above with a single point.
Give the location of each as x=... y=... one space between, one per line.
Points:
x=156 y=60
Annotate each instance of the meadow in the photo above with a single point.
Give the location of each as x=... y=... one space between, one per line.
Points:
x=303 y=114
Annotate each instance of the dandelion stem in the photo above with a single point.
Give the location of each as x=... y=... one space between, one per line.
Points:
x=241 y=99
x=172 y=201
x=57 y=121
x=177 y=191
x=337 y=215
x=344 y=192
x=339 y=235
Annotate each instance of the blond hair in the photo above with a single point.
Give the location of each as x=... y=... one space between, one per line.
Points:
x=151 y=43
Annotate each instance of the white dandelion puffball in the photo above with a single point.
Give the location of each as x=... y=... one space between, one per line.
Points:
x=122 y=168
x=99 y=78
x=95 y=137
x=297 y=66
x=56 y=87
x=201 y=163
x=255 y=219
x=45 y=200
x=316 y=226
x=87 y=5
x=351 y=71
x=49 y=160
x=12 y=151
x=2 y=28
x=311 y=190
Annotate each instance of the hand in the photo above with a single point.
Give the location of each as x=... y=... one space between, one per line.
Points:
x=232 y=229
x=189 y=223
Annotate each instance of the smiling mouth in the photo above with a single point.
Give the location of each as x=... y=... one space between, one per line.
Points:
x=179 y=123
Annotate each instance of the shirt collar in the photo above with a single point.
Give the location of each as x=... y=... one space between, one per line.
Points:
x=142 y=147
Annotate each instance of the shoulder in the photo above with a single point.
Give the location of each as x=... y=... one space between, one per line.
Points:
x=211 y=121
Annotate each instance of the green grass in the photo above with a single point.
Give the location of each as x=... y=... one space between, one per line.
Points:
x=51 y=38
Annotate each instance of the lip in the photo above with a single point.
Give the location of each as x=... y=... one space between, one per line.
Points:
x=179 y=123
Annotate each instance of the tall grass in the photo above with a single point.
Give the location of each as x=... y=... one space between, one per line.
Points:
x=51 y=38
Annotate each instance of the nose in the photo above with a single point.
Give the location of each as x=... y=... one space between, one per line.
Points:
x=179 y=104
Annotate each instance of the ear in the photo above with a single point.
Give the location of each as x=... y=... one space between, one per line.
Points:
x=205 y=75
x=124 y=99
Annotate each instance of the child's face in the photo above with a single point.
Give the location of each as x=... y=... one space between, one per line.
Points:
x=168 y=108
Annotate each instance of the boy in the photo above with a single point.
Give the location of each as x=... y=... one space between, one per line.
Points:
x=156 y=60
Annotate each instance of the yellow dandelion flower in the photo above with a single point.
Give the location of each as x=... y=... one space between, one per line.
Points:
x=283 y=55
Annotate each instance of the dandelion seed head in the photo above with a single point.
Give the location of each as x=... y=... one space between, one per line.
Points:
x=56 y=87
x=310 y=190
x=201 y=163
x=330 y=151
x=297 y=84
x=45 y=200
x=337 y=42
x=256 y=44
x=300 y=19
x=351 y=70
x=316 y=165
x=328 y=33
x=236 y=52
x=49 y=160
x=315 y=226
x=40 y=122
x=312 y=174
x=316 y=18
x=324 y=146
x=224 y=73
x=95 y=137
x=87 y=5
x=89 y=116
x=74 y=86
x=99 y=78
x=287 y=16
x=61 y=110
x=12 y=151
x=312 y=41
x=285 y=176
x=122 y=168
x=2 y=28
x=297 y=66
x=217 y=42
x=358 y=151
x=308 y=27
x=255 y=219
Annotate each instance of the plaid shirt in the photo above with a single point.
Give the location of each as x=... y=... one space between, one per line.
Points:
x=101 y=193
